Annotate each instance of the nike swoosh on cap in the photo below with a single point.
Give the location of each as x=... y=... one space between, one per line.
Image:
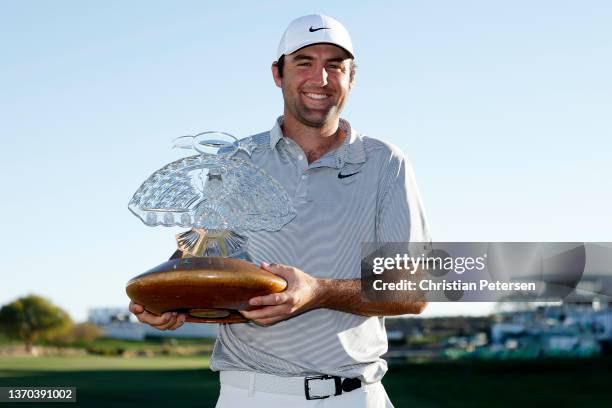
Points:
x=312 y=30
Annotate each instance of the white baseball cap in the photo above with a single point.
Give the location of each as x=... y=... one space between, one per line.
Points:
x=314 y=29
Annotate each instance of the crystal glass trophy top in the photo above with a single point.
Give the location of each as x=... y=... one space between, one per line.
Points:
x=218 y=197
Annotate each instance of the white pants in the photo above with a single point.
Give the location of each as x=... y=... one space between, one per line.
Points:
x=367 y=396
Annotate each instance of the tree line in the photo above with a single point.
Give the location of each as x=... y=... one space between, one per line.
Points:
x=33 y=318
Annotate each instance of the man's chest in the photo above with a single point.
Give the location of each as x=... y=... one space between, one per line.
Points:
x=335 y=213
x=315 y=183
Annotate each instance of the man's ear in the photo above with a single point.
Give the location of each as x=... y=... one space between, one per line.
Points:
x=275 y=74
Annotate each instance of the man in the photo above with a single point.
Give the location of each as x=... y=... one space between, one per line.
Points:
x=318 y=338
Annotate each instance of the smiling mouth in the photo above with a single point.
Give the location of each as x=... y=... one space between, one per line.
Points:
x=316 y=96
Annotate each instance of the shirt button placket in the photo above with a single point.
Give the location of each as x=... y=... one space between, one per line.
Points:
x=302 y=189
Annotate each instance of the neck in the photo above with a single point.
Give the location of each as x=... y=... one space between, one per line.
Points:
x=314 y=141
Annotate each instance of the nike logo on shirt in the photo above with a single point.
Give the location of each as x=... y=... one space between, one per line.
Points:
x=341 y=176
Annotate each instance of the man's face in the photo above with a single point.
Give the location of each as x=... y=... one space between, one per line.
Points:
x=316 y=82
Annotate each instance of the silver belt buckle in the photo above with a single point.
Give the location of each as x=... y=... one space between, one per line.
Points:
x=337 y=385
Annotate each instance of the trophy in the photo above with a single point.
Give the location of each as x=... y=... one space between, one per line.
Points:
x=218 y=196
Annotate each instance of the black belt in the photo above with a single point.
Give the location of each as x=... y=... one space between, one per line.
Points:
x=341 y=385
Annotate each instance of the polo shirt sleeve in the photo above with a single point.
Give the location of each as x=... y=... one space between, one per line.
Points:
x=400 y=214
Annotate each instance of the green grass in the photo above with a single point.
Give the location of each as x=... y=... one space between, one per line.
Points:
x=116 y=347
x=157 y=342
x=187 y=382
x=28 y=365
x=512 y=384
x=4 y=340
x=118 y=382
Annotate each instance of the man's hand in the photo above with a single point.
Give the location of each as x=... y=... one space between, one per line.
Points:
x=299 y=296
x=305 y=292
x=167 y=321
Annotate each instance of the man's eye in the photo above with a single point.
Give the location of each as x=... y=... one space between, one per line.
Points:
x=304 y=64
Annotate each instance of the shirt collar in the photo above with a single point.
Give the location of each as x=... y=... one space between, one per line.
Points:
x=351 y=151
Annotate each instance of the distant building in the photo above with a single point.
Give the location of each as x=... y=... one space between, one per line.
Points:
x=568 y=328
x=119 y=323
x=576 y=315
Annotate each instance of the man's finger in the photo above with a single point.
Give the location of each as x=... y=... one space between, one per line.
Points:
x=265 y=312
x=180 y=320
x=267 y=322
x=154 y=320
x=277 y=269
x=136 y=308
x=169 y=321
x=269 y=300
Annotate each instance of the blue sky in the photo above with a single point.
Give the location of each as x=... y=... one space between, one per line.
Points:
x=503 y=109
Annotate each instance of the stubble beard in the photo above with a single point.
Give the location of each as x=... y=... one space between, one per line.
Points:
x=306 y=116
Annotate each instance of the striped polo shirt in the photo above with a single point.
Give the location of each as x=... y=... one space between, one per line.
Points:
x=363 y=191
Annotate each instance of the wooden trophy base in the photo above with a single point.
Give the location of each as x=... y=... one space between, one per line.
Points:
x=208 y=289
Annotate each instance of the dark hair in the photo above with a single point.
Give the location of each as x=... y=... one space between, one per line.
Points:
x=280 y=64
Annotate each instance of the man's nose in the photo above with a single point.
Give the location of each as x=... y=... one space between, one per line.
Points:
x=319 y=77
